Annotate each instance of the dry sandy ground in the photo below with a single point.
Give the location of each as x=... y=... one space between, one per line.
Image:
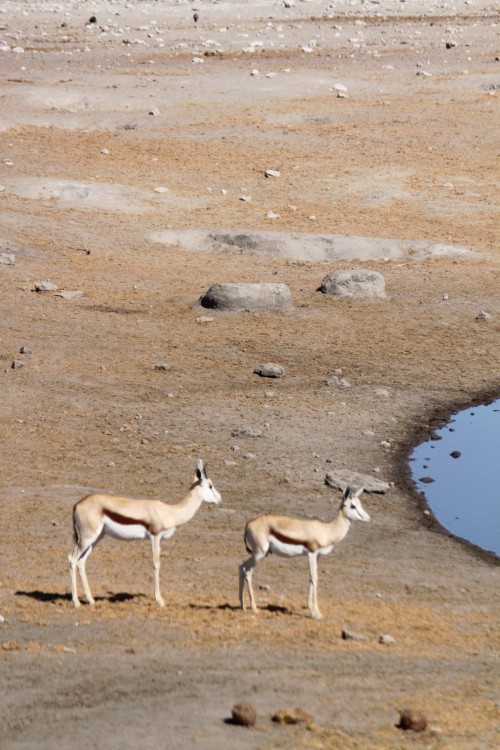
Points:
x=410 y=153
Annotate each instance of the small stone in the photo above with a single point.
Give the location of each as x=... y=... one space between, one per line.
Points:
x=272 y=173
x=414 y=720
x=270 y=370
x=272 y=215
x=341 y=478
x=483 y=315
x=2 y=619
x=17 y=364
x=204 y=319
x=386 y=640
x=245 y=198
x=69 y=294
x=451 y=44
x=293 y=716
x=359 y=283
x=385 y=444
x=264 y=587
x=246 y=432
x=6 y=259
x=24 y=350
x=244 y=714
x=455 y=454
x=445 y=297
x=249 y=456
x=154 y=111
x=161 y=189
x=45 y=286
x=337 y=382
x=349 y=635
x=105 y=152
x=340 y=87
x=254 y=72
x=426 y=480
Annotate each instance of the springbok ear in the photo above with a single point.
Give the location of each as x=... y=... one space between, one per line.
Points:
x=358 y=492
x=199 y=469
x=347 y=493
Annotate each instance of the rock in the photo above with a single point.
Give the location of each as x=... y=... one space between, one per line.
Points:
x=349 y=635
x=354 y=283
x=246 y=432
x=339 y=479
x=340 y=87
x=386 y=640
x=163 y=366
x=6 y=259
x=245 y=198
x=455 y=454
x=483 y=315
x=69 y=294
x=244 y=714
x=293 y=716
x=410 y=719
x=426 y=480
x=161 y=189
x=249 y=456
x=17 y=364
x=272 y=215
x=45 y=286
x=2 y=618
x=270 y=370
x=334 y=380
x=154 y=111
x=307 y=246
x=24 y=350
x=244 y=296
x=272 y=173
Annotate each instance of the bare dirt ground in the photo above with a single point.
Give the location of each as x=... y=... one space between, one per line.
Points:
x=410 y=153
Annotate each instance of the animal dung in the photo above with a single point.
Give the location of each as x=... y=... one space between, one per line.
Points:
x=413 y=720
x=244 y=714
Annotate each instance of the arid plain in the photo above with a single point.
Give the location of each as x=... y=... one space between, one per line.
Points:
x=382 y=121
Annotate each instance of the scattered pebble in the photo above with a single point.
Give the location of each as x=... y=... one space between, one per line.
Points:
x=414 y=720
x=7 y=259
x=45 y=286
x=161 y=189
x=386 y=639
x=349 y=635
x=246 y=432
x=483 y=315
x=334 y=380
x=162 y=366
x=244 y=714
x=17 y=364
x=426 y=480
x=272 y=173
x=293 y=716
x=245 y=198
x=455 y=454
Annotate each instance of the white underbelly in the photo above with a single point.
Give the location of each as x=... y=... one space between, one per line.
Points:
x=325 y=550
x=286 y=550
x=126 y=532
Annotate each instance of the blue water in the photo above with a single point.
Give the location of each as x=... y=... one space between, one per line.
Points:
x=465 y=494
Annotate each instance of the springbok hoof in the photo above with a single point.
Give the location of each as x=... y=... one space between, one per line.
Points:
x=317 y=616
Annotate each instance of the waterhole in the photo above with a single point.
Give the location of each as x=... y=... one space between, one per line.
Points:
x=459 y=474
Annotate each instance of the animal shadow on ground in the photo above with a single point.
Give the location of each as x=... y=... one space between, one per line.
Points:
x=50 y=596
x=274 y=608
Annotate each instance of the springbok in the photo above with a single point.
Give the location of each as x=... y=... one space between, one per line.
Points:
x=96 y=515
x=290 y=537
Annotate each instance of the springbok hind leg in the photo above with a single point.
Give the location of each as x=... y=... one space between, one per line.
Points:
x=246 y=570
x=155 y=544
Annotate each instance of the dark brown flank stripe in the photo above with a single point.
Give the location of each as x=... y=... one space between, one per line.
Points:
x=124 y=520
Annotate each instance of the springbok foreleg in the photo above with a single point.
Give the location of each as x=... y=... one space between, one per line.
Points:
x=313 y=585
x=155 y=543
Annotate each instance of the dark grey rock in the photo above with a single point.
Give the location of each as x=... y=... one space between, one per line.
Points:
x=245 y=296
x=354 y=283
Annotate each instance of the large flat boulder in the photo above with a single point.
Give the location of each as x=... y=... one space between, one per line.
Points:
x=246 y=296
